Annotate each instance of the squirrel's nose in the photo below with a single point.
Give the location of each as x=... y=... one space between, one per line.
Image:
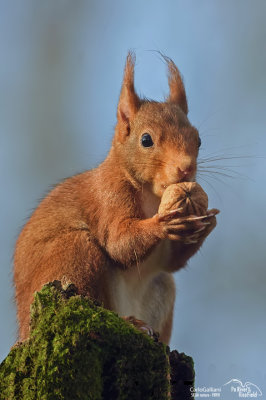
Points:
x=185 y=173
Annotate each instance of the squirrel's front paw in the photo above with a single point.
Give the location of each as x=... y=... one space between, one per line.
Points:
x=183 y=214
x=202 y=232
x=189 y=229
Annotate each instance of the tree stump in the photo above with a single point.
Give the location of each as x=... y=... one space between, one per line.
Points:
x=79 y=350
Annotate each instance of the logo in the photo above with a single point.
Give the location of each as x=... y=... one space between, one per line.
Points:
x=237 y=390
x=246 y=390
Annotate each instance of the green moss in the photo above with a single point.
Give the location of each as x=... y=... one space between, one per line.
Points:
x=78 y=350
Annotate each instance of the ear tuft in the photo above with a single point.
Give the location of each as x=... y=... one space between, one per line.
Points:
x=129 y=102
x=177 y=93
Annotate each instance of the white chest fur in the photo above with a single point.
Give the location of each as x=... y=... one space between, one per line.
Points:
x=145 y=291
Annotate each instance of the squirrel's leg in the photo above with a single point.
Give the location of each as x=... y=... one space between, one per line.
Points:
x=187 y=243
x=132 y=239
x=65 y=255
x=166 y=331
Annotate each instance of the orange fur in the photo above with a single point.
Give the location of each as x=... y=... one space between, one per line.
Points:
x=101 y=229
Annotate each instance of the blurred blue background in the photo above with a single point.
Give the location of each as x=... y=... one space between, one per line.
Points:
x=60 y=75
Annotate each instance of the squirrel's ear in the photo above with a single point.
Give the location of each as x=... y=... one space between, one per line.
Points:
x=177 y=93
x=129 y=102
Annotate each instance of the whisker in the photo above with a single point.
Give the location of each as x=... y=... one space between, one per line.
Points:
x=225 y=151
x=220 y=158
x=221 y=181
x=205 y=120
x=211 y=186
x=223 y=166
x=218 y=178
x=214 y=173
x=234 y=174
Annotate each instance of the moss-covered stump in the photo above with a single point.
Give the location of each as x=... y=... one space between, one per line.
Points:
x=182 y=375
x=78 y=350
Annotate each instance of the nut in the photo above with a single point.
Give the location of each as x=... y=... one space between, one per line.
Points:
x=189 y=196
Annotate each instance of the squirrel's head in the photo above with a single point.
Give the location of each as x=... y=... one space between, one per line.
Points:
x=155 y=141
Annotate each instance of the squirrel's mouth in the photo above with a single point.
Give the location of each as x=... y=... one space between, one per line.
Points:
x=184 y=179
x=159 y=189
x=187 y=179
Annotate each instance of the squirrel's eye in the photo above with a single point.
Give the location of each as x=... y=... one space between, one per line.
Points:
x=199 y=142
x=146 y=140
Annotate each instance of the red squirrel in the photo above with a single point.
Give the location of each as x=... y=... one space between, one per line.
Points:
x=101 y=229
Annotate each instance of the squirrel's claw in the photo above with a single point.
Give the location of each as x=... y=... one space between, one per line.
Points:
x=170 y=214
x=143 y=327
